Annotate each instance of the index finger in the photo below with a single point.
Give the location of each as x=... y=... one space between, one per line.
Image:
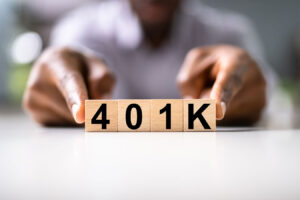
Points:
x=68 y=78
x=226 y=86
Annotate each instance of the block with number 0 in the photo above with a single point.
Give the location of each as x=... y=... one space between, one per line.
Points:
x=134 y=115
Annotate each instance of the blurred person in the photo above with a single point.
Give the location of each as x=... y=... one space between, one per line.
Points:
x=147 y=49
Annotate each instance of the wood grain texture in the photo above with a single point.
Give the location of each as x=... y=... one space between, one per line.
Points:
x=209 y=114
x=123 y=106
x=92 y=106
x=159 y=120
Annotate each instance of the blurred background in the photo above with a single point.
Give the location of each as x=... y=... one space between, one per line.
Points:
x=25 y=27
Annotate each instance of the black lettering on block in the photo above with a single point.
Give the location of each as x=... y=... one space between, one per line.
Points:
x=139 y=116
x=198 y=115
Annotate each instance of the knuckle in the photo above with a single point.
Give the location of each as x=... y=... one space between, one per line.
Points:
x=61 y=52
x=242 y=53
x=39 y=66
x=182 y=81
x=96 y=61
x=29 y=103
x=236 y=79
x=56 y=51
x=35 y=83
x=50 y=53
x=107 y=74
x=226 y=95
x=105 y=83
x=194 y=53
x=65 y=78
x=109 y=77
x=101 y=74
x=33 y=88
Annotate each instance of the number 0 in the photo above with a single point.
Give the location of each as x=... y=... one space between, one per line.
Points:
x=138 y=119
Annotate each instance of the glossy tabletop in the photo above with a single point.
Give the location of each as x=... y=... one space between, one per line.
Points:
x=67 y=163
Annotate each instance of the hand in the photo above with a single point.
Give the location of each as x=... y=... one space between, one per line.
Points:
x=228 y=75
x=60 y=82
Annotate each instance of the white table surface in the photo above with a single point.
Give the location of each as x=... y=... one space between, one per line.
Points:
x=66 y=163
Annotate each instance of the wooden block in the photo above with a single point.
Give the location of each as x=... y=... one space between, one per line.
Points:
x=134 y=115
x=199 y=115
x=167 y=115
x=101 y=115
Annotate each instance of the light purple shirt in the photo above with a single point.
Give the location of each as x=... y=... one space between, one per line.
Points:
x=112 y=31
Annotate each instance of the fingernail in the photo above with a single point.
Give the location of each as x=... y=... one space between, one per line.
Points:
x=75 y=109
x=223 y=107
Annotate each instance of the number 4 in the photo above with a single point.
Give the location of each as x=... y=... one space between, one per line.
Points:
x=103 y=121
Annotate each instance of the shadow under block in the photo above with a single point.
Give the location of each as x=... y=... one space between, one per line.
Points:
x=134 y=115
x=199 y=115
x=167 y=115
x=101 y=111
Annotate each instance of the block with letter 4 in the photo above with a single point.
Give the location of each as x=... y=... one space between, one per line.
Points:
x=156 y=115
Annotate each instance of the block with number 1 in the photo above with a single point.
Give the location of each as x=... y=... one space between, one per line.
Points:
x=167 y=115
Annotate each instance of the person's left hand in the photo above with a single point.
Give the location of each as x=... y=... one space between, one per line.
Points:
x=230 y=76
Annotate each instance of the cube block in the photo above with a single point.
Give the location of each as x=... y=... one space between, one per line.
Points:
x=134 y=115
x=101 y=115
x=199 y=115
x=167 y=115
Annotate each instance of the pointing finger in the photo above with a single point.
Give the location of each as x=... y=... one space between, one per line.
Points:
x=226 y=86
x=69 y=78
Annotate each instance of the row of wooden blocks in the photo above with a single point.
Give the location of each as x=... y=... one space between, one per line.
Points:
x=156 y=115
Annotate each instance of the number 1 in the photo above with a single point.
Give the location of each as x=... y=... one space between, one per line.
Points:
x=167 y=110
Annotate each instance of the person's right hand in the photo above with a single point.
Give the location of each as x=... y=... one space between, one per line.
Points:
x=60 y=82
